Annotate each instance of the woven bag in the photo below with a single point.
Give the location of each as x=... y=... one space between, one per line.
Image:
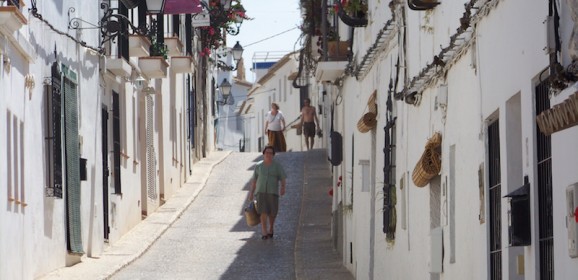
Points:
x=251 y=215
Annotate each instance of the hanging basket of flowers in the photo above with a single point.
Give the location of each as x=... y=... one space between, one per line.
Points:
x=222 y=22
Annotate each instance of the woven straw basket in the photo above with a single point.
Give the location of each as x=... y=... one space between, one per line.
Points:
x=429 y=165
x=371 y=106
x=251 y=215
x=367 y=122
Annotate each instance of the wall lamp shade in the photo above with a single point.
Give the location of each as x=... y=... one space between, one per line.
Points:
x=139 y=82
x=155 y=6
x=237 y=51
x=225 y=88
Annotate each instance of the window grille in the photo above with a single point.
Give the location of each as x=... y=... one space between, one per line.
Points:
x=544 y=172
x=495 y=198
x=389 y=196
x=54 y=135
x=116 y=141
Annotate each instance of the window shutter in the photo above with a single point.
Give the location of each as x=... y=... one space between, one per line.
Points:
x=116 y=141
x=72 y=154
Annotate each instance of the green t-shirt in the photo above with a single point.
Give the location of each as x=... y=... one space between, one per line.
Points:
x=268 y=177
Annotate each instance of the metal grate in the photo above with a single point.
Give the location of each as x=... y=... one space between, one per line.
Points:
x=116 y=142
x=544 y=169
x=495 y=192
x=389 y=201
x=151 y=161
x=54 y=135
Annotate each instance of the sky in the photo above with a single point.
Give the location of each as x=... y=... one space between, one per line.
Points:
x=270 y=17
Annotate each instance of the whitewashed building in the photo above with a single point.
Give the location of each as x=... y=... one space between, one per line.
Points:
x=98 y=128
x=467 y=168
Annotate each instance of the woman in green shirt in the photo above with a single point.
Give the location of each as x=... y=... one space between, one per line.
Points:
x=265 y=187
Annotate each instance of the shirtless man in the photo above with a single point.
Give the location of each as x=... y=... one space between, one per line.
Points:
x=308 y=122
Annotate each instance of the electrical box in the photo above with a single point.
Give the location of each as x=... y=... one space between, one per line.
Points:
x=572 y=219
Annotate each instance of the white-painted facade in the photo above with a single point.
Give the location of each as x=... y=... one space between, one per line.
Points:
x=445 y=229
x=153 y=135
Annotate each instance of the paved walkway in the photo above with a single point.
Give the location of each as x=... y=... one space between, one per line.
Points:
x=314 y=257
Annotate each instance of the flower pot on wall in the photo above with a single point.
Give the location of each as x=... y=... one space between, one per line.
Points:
x=182 y=64
x=174 y=46
x=118 y=66
x=154 y=67
x=138 y=45
x=11 y=19
x=337 y=50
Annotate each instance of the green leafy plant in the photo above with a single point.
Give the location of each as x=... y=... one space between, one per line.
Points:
x=159 y=49
x=353 y=7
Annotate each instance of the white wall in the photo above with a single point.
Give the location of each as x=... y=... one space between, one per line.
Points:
x=39 y=226
x=494 y=78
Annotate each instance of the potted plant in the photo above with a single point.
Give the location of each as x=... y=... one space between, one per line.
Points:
x=155 y=66
x=356 y=8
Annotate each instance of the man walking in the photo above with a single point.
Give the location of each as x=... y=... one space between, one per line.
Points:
x=308 y=122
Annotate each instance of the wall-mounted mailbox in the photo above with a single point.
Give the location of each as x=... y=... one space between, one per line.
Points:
x=336 y=148
x=519 y=215
x=83 y=172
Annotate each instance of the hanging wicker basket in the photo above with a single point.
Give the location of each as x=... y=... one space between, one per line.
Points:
x=367 y=122
x=371 y=105
x=429 y=165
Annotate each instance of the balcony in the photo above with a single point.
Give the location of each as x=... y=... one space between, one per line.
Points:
x=174 y=46
x=119 y=67
x=329 y=71
x=138 y=45
x=154 y=67
x=336 y=60
x=11 y=19
x=182 y=64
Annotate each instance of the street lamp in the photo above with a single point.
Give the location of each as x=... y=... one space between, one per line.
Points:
x=237 y=52
x=225 y=88
x=155 y=6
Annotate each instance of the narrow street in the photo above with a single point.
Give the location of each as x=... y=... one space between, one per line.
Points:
x=212 y=241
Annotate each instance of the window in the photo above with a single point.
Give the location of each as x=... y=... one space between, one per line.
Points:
x=544 y=172
x=389 y=195
x=495 y=198
x=53 y=134
x=116 y=141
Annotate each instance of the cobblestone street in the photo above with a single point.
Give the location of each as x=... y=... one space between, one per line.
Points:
x=211 y=240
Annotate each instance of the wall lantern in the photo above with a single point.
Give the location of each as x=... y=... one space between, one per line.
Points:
x=237 y=52
x=139 y=82
x=155 y=6
x=225 y=87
